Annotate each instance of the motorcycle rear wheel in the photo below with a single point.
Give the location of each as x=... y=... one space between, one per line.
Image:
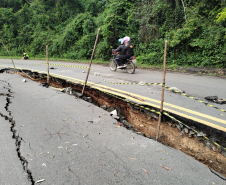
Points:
x=130 y=67
x=113 y=65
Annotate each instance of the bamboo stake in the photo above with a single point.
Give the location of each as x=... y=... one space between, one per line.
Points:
x=163 y=88
x=91 y=60
x=47 y=62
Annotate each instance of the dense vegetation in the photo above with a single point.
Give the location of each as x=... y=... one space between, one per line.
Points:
x=195 y=29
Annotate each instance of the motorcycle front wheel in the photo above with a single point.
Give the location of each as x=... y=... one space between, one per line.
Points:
x=113 y=65
x=130 y=67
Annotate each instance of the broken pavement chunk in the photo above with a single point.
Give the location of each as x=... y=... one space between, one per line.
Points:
x=215 y=99
x=186 y=130
x=89 y=99
x=176 y=89
x=179 y=128
x=127 y=124
x=211 y=98
x=45 y=84
x=201 y=134
x=68 y=90
x=221 y=101
x=114 y=113
x=142 y=83
x=97 y=74
x=191 y=133
x=116 y=117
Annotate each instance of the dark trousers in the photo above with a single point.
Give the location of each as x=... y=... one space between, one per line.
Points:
x=122 y=59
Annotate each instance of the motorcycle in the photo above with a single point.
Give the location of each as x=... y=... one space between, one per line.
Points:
x=129 y=66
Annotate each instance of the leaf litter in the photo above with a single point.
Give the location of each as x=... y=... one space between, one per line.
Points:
x=145 y=171
x=165 y=167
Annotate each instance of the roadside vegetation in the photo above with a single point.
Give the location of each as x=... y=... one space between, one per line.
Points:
x=195 y=29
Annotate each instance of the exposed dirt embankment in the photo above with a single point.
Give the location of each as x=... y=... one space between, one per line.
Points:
x=169 y=135
x=145 y=123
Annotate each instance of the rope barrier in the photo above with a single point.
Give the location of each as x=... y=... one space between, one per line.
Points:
x=36 y=64
x=140 y=83
x=151 y=110
x=132 y=103
x=194 y=98
x=165 y=113
x=68 y=66
x=163 y=85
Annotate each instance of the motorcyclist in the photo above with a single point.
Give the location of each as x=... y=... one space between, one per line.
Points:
x=25 y=56
x=126 y=51
x=121 y=49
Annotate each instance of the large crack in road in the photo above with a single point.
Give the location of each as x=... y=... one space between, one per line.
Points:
x=15 y=136
x=144 y=123
x=95 y=147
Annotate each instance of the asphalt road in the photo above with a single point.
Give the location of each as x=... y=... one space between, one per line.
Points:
x=65 y=140
x=193 y=85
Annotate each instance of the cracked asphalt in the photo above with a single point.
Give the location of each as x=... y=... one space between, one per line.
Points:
x=194 y=85
x=51 y=136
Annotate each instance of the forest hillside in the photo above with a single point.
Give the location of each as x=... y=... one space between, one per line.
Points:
x=195 y=29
